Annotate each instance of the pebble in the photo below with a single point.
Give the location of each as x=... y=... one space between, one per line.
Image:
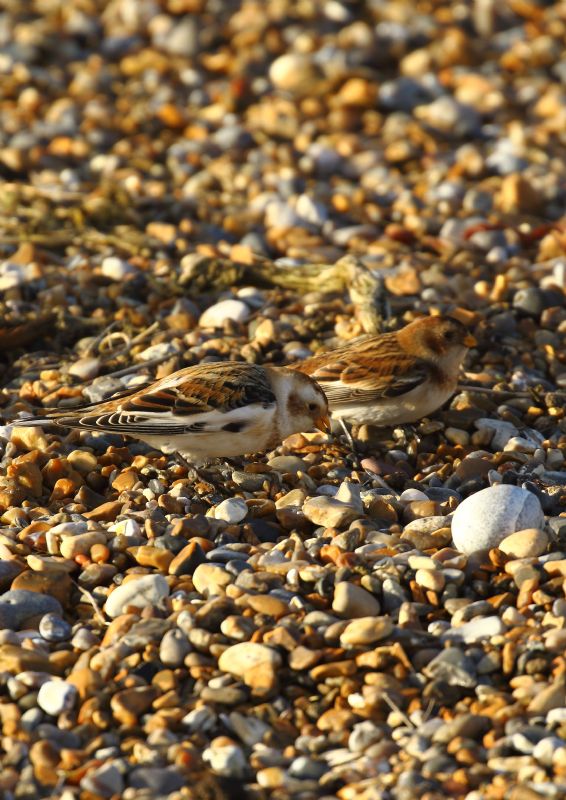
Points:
x=351 y=601
x=104 y=781
x=430 y=579
x=487 y=517
x=232 y=510
x=256 y=664
x=365 y=631
x=501 y=431
x=211 y=579
x=476 y=630
x=157 y=780
x=226 y=310
x=116 y=269
x=18 y=606
x=291 y=464
x=337 y=511
x=454 y=667
x=173 y=648
x=54 y=629
x=528 y=543
x=54 y=697
x=226 y=759
x=145 y=591
x=294 y=72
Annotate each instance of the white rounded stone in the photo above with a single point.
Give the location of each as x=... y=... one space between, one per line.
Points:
x=116 y=269
x=215 y=316
x=228 y=760
x=487 y=517
x=149 y=590
x=232 y=510
x=56 y=696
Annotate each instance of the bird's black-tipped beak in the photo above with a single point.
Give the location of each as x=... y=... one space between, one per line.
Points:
x=323 y=423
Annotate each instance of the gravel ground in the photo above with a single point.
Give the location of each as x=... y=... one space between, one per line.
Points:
x=185 y=181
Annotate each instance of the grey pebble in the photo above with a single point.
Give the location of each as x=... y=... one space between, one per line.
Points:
x=306 y=768
x=476 y=630
x=454 y=667
x=19 y=605
x=104 y=781
x=160 y=780
x=54 y=629
x=173 y=648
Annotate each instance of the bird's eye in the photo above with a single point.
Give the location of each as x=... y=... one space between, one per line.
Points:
x=312 y=407
x=449 y=336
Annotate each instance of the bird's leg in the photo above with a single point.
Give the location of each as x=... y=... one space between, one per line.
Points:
x=193 y=474
x=350 y=440
x=183 y=462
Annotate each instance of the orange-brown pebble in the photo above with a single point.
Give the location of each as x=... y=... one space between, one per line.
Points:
x=99 y=553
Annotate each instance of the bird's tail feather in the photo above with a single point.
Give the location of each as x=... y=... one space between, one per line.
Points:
x=32 y=422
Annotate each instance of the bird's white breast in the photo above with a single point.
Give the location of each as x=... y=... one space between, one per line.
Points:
x=410 y=407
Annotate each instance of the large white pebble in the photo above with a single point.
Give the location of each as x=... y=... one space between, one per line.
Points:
x=215 y=316
x=148 y=590
x=56 y=696
x=485 y=518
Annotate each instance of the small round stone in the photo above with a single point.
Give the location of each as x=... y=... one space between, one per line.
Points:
x=232 y=510
x=211 y=579
x=432 y=579
x=54 y=629
x=529 y=543
x=351 y=600
x=485 y=518
x=116 y=269
x=256 y=664
x=366 y=631
x=215 y=316
x=227 y=759
x=56 y=696
x=173 y=648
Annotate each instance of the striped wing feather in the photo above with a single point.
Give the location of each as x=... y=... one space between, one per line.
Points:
x=201 y=399
x=367 y=370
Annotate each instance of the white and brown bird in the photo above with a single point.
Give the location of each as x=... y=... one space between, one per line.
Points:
x=392 y=378
x=213 y=410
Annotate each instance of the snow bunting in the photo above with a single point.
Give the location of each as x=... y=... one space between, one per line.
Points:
x=214 y=410
x=392 y=378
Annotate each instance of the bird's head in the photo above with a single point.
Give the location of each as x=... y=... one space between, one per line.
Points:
x=437 y=338
x=307 y=405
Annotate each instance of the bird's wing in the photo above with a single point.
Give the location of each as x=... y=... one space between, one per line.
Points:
x=369 y=370
x=203 y=399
